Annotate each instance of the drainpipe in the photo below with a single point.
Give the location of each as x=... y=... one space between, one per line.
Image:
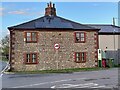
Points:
x=114 y=38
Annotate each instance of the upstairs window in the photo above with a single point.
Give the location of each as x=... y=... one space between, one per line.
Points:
x=80 y=37
x=80 y=57
x=31 y=58
x=31 y=37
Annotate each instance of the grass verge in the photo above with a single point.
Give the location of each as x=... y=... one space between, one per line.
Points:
x=60 y=70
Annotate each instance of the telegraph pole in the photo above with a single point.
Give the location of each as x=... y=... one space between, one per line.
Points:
x=114 y=37
x=113 y=21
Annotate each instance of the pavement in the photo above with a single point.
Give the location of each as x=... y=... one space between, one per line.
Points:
x=107 y=79
x=2 y=65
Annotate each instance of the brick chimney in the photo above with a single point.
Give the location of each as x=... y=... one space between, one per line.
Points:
x=50 y=10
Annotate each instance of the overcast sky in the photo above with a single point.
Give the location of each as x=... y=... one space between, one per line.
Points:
x=13 y=13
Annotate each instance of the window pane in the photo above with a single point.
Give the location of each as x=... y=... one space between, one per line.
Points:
x=82 y=39
x=34 y=37
x=34 y=34
x=28 y=39
x=77 y=36
x=82 y=34
x=83 y=56
x=33 y=58
x=33 y=55
x=77 y=56
x=77 y=59
x=28 y=34
x=28 y=58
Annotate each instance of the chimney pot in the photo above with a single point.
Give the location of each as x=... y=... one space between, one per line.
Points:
x=53 y=5
x=50 y=4
x=50 y=10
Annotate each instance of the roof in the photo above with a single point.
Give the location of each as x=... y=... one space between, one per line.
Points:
x=52 y=22
x=104 y=28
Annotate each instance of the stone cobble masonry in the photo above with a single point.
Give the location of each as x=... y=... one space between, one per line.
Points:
x=48 y=57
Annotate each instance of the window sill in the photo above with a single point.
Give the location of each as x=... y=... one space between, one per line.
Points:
x=31 y=63
x=80 y=62
x=31 y=41
x=79 y=41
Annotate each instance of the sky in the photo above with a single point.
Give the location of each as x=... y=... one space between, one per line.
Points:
x=14 y=13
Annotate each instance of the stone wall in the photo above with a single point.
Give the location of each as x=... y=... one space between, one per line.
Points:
x=48 y=57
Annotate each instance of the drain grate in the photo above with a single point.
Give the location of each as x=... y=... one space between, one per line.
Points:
x=90 y=79
x=105 y=78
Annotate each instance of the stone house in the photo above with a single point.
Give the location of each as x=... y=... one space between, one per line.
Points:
x=52 y=42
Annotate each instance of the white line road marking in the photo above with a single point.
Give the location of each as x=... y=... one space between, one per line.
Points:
x=60 y=86
x=52 y=87
x=47 y=83
x=100 y=87
x=86 y=85
x=66 y=84
x=1 y=74
x=77 y=85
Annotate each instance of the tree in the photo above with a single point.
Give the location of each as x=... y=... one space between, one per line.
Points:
x=5 y=46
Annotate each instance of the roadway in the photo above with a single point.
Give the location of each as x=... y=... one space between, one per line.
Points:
x=86 y=79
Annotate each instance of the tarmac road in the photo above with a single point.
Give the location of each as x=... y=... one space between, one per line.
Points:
x=88 y=79
x=2 y=66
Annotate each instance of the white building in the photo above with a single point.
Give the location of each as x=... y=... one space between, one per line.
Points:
x=109 y=41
